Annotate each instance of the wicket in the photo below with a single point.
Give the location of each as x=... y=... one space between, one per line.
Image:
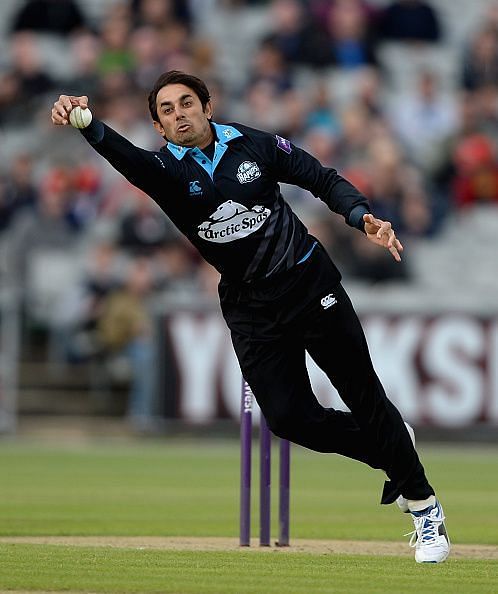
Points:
x=265 y=478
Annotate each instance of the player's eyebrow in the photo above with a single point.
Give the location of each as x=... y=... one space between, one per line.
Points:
x=182 y=98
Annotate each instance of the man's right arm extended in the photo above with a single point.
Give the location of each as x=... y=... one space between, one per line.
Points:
x=139 y=166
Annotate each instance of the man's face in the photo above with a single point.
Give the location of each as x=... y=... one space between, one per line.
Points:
x=181 y=117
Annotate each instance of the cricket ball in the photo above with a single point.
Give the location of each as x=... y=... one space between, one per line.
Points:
x=80 y=118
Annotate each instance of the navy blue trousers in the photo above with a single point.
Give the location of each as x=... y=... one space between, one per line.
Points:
x=273 y=323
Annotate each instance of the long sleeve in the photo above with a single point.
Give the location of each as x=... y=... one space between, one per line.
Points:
x=295 y=166
x=141 y=167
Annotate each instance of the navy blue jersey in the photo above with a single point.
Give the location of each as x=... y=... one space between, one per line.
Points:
x=230 y=207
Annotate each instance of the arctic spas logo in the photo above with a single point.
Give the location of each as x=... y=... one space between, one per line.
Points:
x=231 y=221
x=248 y=171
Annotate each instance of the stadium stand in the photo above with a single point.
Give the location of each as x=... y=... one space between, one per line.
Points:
x=441 y=191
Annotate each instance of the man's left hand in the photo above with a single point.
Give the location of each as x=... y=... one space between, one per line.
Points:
x=381 y=233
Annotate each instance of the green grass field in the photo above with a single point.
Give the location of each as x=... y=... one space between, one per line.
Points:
x=178 y=488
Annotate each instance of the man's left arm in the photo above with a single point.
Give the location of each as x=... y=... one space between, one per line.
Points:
x=295 y=166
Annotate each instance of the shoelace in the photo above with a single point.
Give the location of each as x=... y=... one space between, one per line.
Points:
x=426 y=529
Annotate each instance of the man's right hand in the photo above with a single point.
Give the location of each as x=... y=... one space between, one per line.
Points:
x=63 y=107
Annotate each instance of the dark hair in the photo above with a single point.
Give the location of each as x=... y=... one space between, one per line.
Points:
x=176 y=77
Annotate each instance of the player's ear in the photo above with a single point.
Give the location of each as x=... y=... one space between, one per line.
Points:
x=208 y=110
x=159 y=128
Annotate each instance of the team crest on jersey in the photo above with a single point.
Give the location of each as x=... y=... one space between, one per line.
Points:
x=248 y=171
x=231 y=221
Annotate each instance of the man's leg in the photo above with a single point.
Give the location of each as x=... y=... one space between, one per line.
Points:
x=335 y=339
x=270 y=342
x=277 y=374
x=273 y=363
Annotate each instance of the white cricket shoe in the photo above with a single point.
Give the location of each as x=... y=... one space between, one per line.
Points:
x=430 y=538
x=401 y=501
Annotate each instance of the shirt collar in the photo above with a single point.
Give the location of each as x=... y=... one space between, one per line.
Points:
x=223 y=133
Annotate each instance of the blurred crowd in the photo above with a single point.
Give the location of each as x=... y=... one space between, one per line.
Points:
x=89 y=250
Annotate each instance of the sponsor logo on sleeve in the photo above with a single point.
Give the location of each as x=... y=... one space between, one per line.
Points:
x=283 y=144
x=232 y=221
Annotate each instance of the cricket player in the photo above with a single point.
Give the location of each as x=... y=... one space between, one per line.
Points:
x=280 y=293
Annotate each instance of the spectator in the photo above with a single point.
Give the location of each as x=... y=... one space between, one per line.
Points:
x=260 y=107
x=12 y=111
x=87 y=187
x=392 y=185
x=145 y=229
x=170 y=19
x=5 y=207
x=17 y=190
x=395 y=189
x=320 y=142
x=294 y=33
x=321 y=112
x=486 y=101
x=61 y=17
x=320 y=10
x=203 y=53
x=85 y=50
x=353 y=142
x=218 y=99
x=50 y=225
x=294 y=112
x=116 y=53
x=351 y=42
x=420 y=217
x=384 y=176
x=410 y=20
x=442 y=168
x=369 y=88
x=480 y=62
x=117 y=83
x=147 y=56
x=174 y=266
x=24 y=82
x=125 y=331
x=175 y=45
x=80 y=307
x=491 y=15
x=269 y=66
x=124 y=114
x=160 y=13
x=424 y=117
x=476 y=179
x=102 y=276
